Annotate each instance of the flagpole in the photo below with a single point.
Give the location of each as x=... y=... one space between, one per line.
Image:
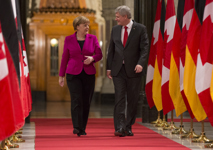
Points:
x=209 y=145
x=3 y=146
x=11 y=145
x=202 y=138
x=181 y=130
x=164 y=123
x=18 y=132
x=158 y=121
x=15 y=139
x=172 y=125
x=191 y=134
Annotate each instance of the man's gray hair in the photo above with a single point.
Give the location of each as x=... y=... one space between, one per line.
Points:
x=124 y=10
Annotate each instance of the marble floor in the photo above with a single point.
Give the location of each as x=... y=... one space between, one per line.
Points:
x=100 y=110
x=186 y=142
x=28 y=134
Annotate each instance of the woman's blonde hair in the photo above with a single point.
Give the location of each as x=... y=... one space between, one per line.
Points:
x=80 y=20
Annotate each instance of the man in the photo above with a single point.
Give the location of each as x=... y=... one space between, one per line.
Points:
x=126 y=58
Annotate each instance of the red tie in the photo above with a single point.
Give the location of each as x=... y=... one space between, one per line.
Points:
x=125 y=36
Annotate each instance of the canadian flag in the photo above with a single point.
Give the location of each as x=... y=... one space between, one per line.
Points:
x=204 y=61
x=11 y=51
x=168 y=38
x=25 y=62
x=156 y=87
x=24 y=73
x=7 y=118
x=152 y=56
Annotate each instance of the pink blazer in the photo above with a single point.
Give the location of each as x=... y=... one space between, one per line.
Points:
x=73 y=57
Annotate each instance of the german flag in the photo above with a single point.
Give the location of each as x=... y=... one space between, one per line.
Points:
x=192 y=46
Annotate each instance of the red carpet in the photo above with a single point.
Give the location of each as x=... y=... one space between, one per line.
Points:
x=56 y=134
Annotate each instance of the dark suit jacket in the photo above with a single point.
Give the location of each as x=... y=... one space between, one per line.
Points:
x=135 y=51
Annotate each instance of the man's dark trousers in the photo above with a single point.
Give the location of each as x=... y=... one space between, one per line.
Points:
x=130 y=86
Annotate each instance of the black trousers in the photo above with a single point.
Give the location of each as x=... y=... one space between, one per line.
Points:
x=81 y=89
x=130 y=87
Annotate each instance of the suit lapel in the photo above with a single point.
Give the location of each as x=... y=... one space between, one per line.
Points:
x=119 y=37
x=133 y=30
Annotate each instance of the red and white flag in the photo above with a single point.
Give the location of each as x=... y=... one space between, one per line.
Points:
x=152 y=56
x=168 y=38
x=204 y=61
x=11 y=52
x=7 y=117
x=26 y=75
x=24 y=54
x=156 y=87
x=24 y=88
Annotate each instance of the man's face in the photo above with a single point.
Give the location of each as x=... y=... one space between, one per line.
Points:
x=121 y=20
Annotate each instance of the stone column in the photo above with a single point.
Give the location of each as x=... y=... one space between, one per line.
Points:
x=109 y=6
x=97 y=6
x=130 y=4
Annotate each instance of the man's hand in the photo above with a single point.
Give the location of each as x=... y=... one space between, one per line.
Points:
x=88 y=60
x=109 y=74
x=61 y=81
x=138 y=69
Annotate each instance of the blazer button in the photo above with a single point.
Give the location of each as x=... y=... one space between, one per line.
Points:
x=82 y=60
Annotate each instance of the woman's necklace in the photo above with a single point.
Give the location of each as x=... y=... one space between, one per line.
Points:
x=80 y=38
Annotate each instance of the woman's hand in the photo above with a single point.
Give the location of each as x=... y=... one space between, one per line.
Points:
x=88 y=60
x=61 y=81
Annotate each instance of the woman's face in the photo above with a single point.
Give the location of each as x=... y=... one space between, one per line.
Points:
x=83 y=28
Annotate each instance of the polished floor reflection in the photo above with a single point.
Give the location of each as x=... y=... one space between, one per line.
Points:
x=63 y=110
x=98 y=109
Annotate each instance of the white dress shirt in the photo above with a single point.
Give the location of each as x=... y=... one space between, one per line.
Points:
x=128 y=30
x=129 y=25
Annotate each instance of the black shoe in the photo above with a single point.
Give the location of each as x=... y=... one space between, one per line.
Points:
x=129 y=133
x=75 y=131
x=120 y=132
x=82 y=132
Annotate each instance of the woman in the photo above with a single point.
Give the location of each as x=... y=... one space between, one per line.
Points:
x=81 y=51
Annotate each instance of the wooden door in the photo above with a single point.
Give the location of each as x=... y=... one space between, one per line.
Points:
x=54 y=47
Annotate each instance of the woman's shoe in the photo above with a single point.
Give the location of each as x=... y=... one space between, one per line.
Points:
x=83 y=132
x=76 y=131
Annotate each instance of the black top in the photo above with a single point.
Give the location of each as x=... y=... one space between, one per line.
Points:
x=81 y=43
